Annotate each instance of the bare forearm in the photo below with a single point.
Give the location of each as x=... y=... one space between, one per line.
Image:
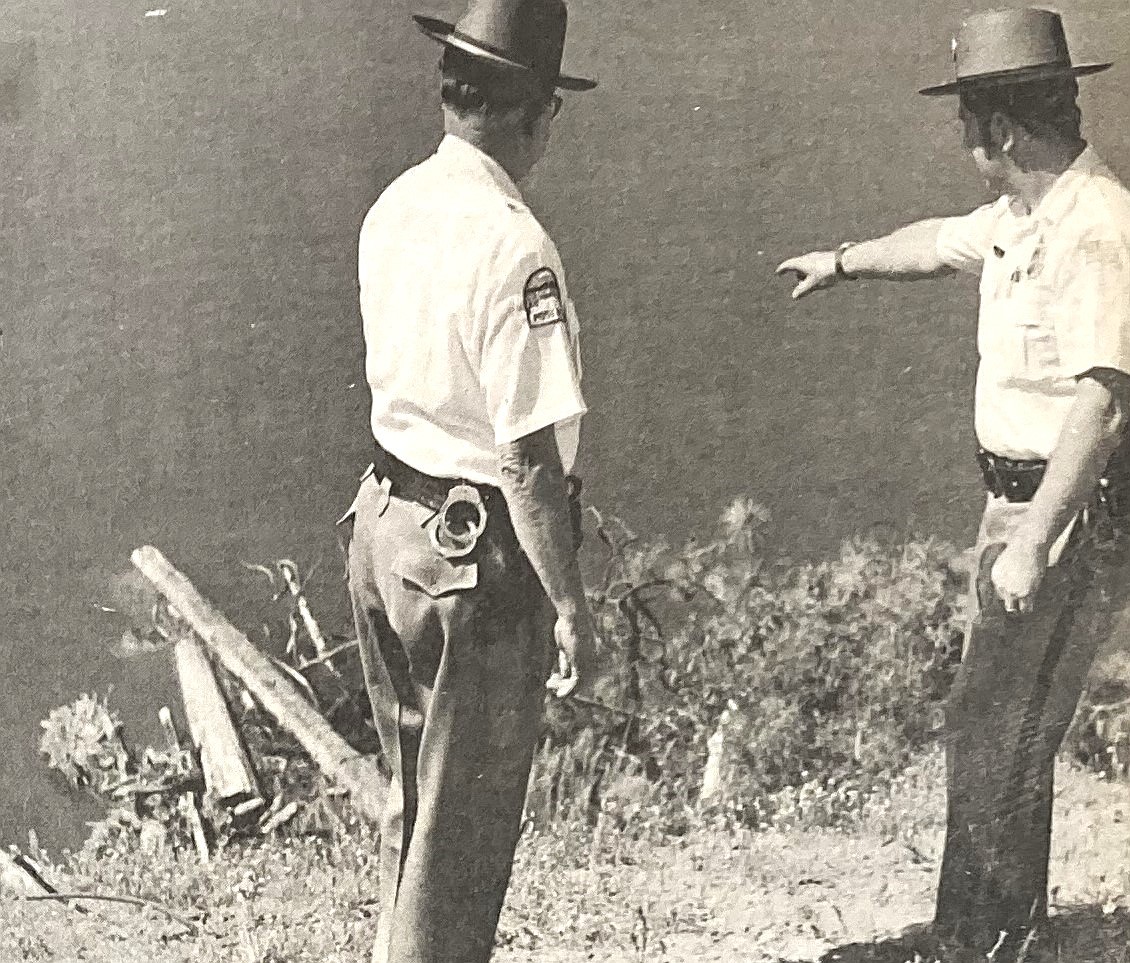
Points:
x=910 y=252
x=533 y=484
x=1089 y=437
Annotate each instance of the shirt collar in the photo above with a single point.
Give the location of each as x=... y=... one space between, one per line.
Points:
x=1062 y=194
x=468 y=159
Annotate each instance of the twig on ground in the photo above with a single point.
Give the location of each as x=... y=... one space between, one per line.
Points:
x=300 y=679
x=289 y=572
x=1109 y=707
x=331 y=654
x=195 y=928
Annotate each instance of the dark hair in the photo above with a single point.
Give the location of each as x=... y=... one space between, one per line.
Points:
x=1046 y=108
x=475 y=86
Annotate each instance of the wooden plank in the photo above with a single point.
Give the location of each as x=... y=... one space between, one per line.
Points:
x=229 y=778
x=339 y=762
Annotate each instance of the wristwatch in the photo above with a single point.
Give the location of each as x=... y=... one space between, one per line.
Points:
x=840 y=272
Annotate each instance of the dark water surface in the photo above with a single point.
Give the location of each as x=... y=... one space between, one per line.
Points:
x=181 y=359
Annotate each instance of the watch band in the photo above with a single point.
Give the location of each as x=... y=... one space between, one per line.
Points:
x=840 y=272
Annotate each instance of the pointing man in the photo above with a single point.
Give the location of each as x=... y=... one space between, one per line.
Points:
x=1053 y=395
x=462 y=564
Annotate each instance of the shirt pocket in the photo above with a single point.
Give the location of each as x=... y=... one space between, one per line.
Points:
x=1030 y=331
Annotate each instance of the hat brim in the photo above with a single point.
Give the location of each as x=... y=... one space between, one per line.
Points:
x=446 y=34
x=1019 y=76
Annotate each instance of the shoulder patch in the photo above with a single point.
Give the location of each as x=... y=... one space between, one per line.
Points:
x=542 y=297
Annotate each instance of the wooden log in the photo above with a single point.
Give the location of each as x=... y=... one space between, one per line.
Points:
x=339 y=762
x=229 y=778
x=20 y=877
x=275 y=820
x=18 y=880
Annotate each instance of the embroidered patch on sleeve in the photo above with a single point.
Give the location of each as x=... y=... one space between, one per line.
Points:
x=542 y=297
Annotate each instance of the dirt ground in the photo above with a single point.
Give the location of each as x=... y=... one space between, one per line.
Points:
x=784 y=896
x=801 y=896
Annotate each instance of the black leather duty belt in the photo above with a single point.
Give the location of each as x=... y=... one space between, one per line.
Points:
x=1016 y=479
x=427 y=490
x=431 y=492
x=1013 y=479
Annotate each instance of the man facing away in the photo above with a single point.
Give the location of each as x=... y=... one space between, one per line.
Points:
x=462 y=559
x=1052 y=399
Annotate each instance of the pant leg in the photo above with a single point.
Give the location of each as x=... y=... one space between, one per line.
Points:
x=456 y=676
x=398 y=723
x=1013 y=699
x=481 y=729
x=396 y=716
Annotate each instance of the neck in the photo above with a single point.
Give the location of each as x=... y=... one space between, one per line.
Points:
x=501 y=146
x=1041 y=168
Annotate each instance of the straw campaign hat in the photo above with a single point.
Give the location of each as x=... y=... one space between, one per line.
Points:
x=1011 y=47
x=527 y=35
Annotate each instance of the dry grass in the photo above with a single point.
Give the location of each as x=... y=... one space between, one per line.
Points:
x=605 y=894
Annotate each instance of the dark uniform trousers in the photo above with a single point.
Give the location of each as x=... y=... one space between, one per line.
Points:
x=1015 y=693
x=455 y=659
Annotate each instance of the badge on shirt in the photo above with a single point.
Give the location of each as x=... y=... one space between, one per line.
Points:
x=542 y=297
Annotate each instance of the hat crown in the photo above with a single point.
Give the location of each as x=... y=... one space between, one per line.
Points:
x=1011 y=47
x=528 y=32
x=1002 y=41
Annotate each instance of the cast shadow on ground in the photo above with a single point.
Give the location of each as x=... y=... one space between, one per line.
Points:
x=1083 y=933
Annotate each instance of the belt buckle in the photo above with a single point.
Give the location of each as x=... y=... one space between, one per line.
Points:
x=455 y=529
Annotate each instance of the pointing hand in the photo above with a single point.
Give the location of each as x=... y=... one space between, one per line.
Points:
x=814 y=271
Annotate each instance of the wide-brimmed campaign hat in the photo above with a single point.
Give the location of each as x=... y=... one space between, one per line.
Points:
x=1011 y=47
x=525 y=35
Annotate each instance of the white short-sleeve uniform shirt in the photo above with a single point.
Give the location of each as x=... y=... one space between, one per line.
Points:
x=471 y=341
x=1055 y=301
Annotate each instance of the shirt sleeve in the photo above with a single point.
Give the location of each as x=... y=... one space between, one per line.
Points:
x=529 y=371
x=964 y=242
x=1097 y=297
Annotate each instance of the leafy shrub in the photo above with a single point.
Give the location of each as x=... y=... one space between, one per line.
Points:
x=83 y=741
x=814 y=680
x=1100 y=734
x=735 y=688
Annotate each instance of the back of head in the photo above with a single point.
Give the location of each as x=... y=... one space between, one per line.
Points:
x=485 y=93
x=1047 y=109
